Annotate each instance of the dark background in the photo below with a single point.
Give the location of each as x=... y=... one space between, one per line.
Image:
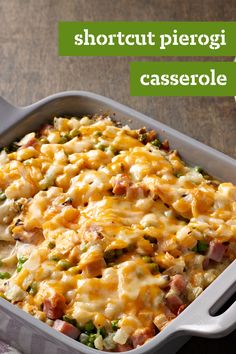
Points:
x=31 y=69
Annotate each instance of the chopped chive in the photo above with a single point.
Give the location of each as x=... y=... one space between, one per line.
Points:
x=198 y=169
x=97 y=134
x=43 y=140
x=51 y=245
x=91 y=345
x=110 y=255
x=64 y=264
x=101 y=147
x=20 y=263
x=54 y=258
x=92 y=338
x=27 y=162
x=33 y=288
x=70 y=320
x=89 y=327
x=84 y=247
x=4 y=149
x=112 y=150
x=119 y=252
x=74 y=132
x=102 y=331
x=75 y=270
x=63 y=140
x=46 y=182
x=156 y=143
x=13 y=147
x=5 y=275
x=2 y=196
x=153 y=268
x=143 y=138
x=114 y=325
x=201 y=247
x=147 y=259
x=80 y=327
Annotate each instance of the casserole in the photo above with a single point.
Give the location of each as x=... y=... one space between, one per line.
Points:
x=23 y=120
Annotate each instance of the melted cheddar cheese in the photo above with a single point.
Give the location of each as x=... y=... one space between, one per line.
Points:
x=105 y=229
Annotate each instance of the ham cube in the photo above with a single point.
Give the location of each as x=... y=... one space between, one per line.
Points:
x=140 y=336
x=181 y=309
x=216 y=251
x=173 y=302
x=123 y=347
x=178 y=284
x=94 y=268
x=121 y=183
x=66 y=328
x=205 y=263
x=54 y=307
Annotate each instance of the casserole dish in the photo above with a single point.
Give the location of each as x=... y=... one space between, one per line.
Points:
x=193 y=321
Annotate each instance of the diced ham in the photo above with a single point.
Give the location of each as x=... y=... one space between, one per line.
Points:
x=123 y=185
x=123 y=347
x=216 y=251
x=119 y=189
x=94 y=269
x=170 y=315
x=122 y=182
x=205 y=263
x=165 y=145
x=151 y=135
x=173 y=302
x=66 y=328
x=140 y=336
x=34 y=236
x=54 y=307
x=146 y=137
x=95 y=231
x=31 y=142
x=178 y=284
x=181 y=309
x=135 y=192
x=142 y=130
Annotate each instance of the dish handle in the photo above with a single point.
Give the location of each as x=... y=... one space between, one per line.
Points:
x=6 y=108
x=9 y=114
x=203 y=319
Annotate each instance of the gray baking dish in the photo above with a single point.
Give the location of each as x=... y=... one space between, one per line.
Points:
x=28 y=334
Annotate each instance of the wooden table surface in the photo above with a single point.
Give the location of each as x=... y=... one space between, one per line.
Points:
x=31 y=69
